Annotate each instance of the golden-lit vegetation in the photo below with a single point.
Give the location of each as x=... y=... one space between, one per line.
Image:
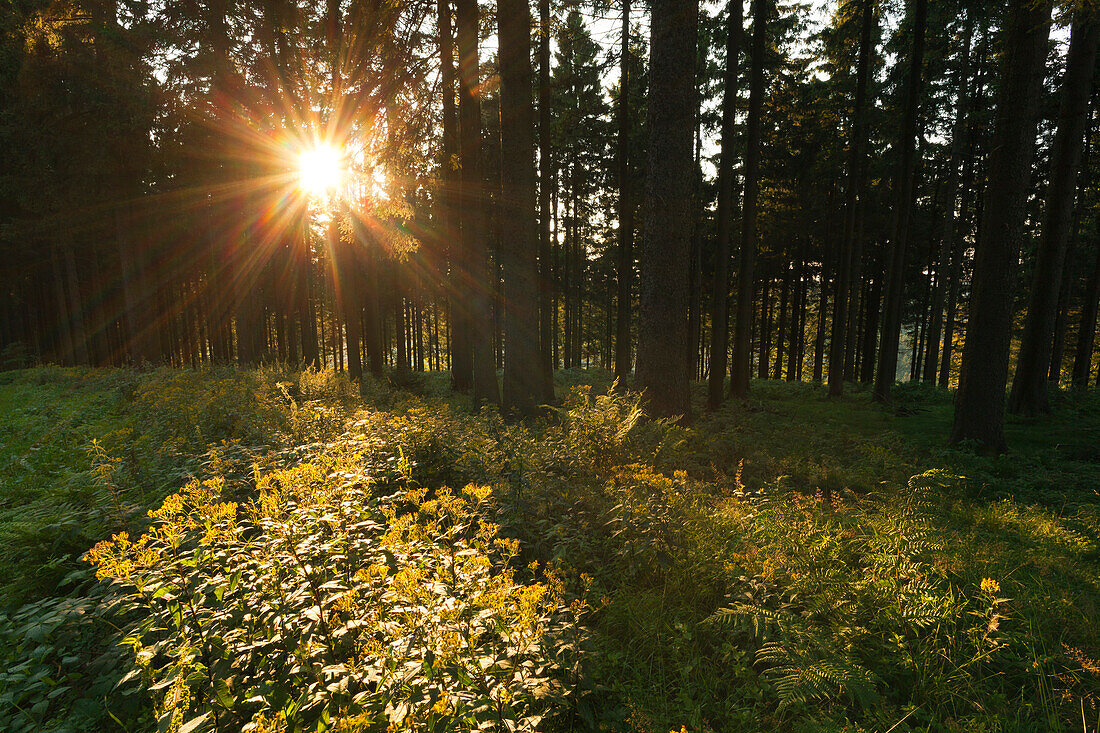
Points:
x=395 y=562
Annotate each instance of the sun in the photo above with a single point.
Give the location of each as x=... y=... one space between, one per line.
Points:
x=321 y=169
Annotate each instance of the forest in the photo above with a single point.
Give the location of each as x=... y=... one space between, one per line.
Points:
x=394 y=365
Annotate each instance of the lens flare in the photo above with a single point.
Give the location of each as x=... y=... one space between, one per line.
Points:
x=320 y=170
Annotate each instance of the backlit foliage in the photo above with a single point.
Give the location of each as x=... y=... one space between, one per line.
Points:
x=333 y=598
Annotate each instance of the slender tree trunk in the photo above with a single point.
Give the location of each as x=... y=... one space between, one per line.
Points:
x=567 y=284
x=822 y=309
x=783 y=326
x=764 y=327
x=695 y=287
x=625 y=262
x=1086 y=333
x=662 y=369
x=870 y=329
x=65 y=351
x=546 y=274
x=453 y=207
x=856 y=144
x=719 y=345
x=979 y=403
x=136 y=324
x=742 y=335
x=348 y=297
x=886 y=374
x=307 y=318
x=1029 y=387
x=797 y=322
x=959 y=245
x=76 y=303
x=947 y=237
x=374 y=332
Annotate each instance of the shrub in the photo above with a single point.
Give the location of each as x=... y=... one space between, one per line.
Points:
x=328 y=600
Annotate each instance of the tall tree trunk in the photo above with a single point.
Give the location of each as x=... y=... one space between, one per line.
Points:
x=886 y=374
x=1069 y=274
x=345 y=284
x=485 y=387
x=1086 y=333
x=76 y=302
x=856 y=144
x=662 y=369
x=546 y=273
x=966 y=205
x=1029 y=394
x=822 y=308
x=782 y=326
x=453 y=207
x=136 y=324
x=695 y=287
x=870 y=328
x=625 y=263
x=719 y=344
x=764 y=328
x=64 y=348
x=797 y=321
x=523 y=374
x=742 y=334
x=951 y=196
x=307 y=318
x=369 y=300
x=979 y=403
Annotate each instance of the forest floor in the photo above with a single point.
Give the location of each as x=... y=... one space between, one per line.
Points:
x=791 y=562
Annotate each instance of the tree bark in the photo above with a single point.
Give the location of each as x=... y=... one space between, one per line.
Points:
x=742 y=334
x=484 y=384
x=1069 y=273
x=979 y=402
x=523 y=373
x=662 y=369
x=454 y=208
x=886 y=374
x=546 y=274
x=1086 y=333
x=625 y=263
x=719 y=344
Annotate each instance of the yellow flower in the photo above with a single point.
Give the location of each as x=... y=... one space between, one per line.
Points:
x=990 y=586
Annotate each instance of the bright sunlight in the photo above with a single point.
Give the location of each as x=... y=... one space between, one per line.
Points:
x=321 y=170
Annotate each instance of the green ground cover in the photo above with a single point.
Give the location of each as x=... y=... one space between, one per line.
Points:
x=389 y=561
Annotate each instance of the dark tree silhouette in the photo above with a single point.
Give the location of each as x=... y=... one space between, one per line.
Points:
x=662 y=368
x=979 y=403
x=1029 y=386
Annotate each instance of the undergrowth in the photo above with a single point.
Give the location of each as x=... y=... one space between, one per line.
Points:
x=791 y=563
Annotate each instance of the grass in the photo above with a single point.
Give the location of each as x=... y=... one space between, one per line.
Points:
x=50 y=420
x=791 y=562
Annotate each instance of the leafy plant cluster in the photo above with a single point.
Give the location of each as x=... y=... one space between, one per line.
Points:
x=334 y=601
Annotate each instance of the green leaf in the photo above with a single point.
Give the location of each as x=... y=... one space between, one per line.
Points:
x=193 y=725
